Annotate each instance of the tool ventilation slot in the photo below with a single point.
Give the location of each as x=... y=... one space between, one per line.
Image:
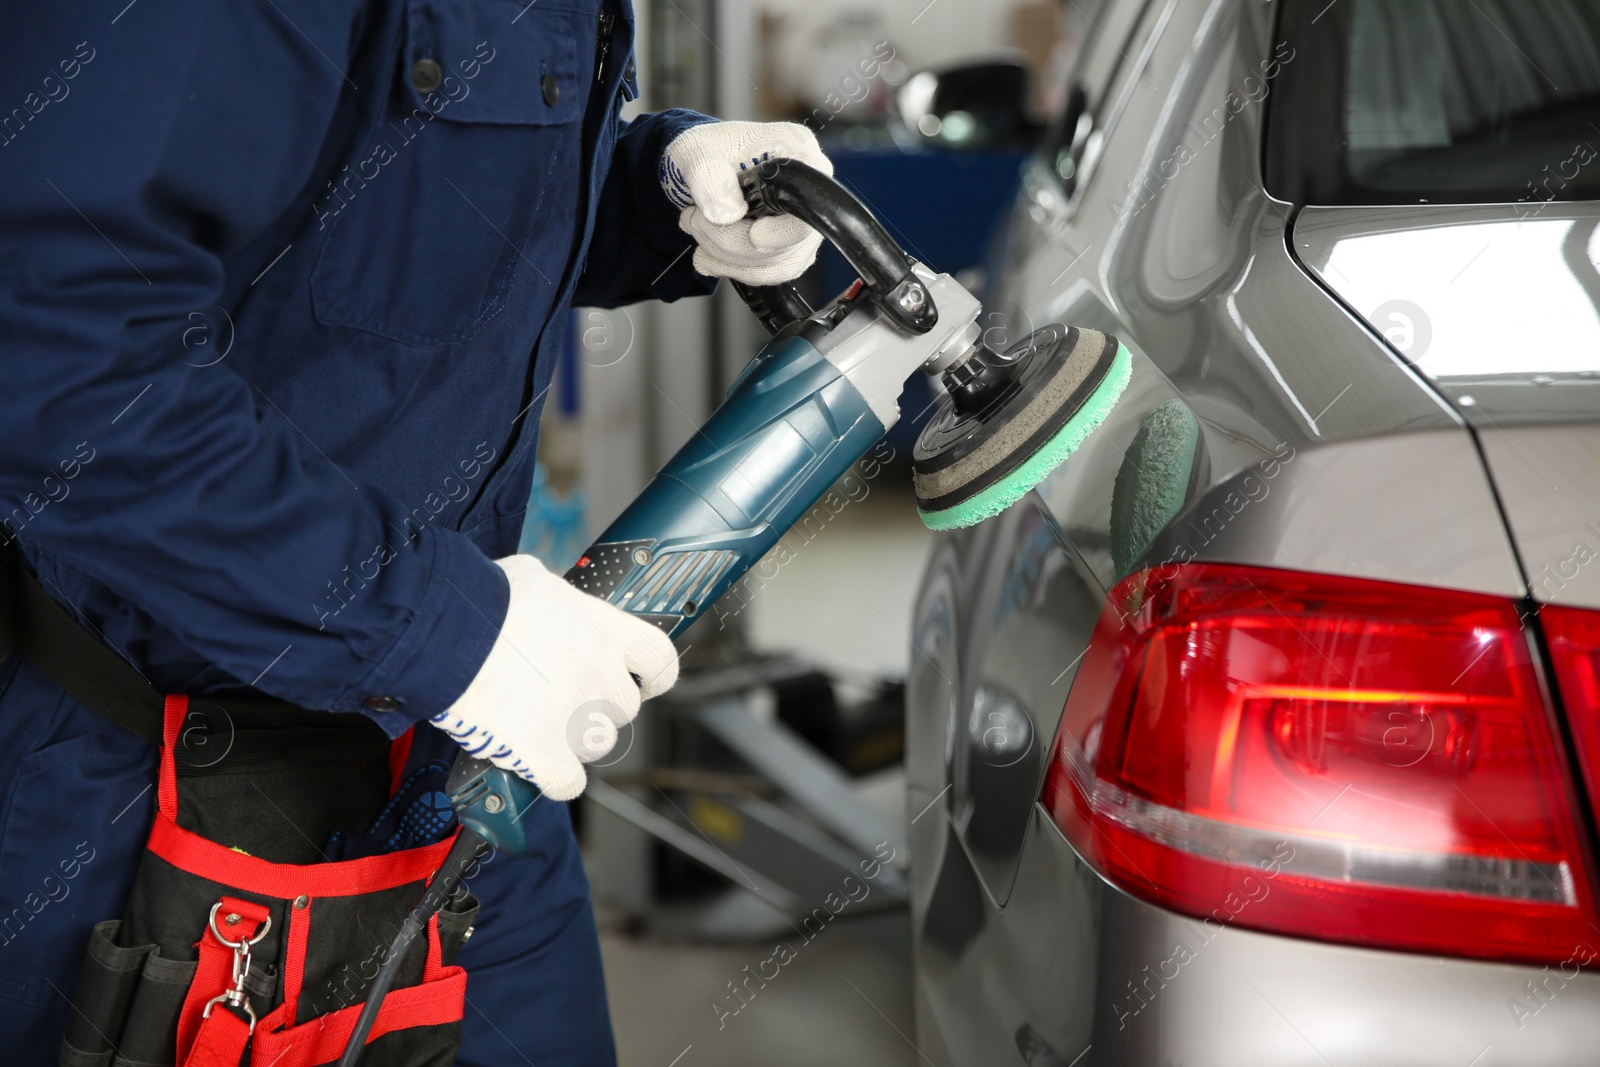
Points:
x=676 y=579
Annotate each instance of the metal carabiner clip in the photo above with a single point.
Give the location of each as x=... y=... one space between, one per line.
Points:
x=235 y=998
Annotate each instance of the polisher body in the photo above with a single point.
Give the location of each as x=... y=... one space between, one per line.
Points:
x=812 y=402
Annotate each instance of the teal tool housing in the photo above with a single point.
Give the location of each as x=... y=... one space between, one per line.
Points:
x=792 y=425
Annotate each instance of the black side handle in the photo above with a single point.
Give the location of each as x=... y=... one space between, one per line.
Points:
x=790 y=187
x=775 y=305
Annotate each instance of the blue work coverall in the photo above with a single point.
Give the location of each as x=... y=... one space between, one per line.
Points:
x=284 y=285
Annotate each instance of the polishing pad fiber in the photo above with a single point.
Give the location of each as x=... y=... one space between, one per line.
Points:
x=1158 y=473
x=970 y=466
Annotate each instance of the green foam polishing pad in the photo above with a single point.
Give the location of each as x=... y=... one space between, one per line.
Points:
x=1153 y=481
x=1016 y=447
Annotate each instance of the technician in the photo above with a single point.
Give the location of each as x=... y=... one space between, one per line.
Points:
x=284 y=288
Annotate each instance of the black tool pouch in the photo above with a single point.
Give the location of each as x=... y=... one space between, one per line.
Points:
x=236 y=938
x=241 y=942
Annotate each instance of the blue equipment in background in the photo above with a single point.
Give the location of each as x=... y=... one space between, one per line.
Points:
x=553 y=529
x=944 y=205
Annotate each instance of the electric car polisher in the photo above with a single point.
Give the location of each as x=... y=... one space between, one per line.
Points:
x=810 y=404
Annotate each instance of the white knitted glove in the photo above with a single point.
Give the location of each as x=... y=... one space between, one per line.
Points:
x=558 y=681
x=700 y=172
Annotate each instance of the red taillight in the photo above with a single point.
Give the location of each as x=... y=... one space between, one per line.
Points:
x=1324 y=757
x=1574 y=639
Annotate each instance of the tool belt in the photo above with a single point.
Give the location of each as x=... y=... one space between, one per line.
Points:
x=241 y=941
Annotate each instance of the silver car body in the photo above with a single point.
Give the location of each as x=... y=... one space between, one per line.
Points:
x=1284 y=334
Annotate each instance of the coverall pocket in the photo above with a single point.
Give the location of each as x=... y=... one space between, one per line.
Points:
x=72 y=835
x=431 y=221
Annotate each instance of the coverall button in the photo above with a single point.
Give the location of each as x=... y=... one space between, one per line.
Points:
x=426 y=75
x=381 y=703
x=550 y=88
x=632 y=72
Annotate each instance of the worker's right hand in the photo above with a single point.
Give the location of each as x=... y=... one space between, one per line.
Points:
x=559 y=681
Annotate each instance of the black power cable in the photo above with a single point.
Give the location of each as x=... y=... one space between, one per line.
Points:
x=468 y=849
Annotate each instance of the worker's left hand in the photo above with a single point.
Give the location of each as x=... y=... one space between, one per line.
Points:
x=700 y=173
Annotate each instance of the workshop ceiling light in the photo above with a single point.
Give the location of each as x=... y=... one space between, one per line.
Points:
x=1327 y=757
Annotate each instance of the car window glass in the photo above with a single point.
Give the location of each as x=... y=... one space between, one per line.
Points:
x=1110 y=32
x=1437 y=101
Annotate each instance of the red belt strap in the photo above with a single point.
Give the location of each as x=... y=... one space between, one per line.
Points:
x=217 y=1039
x=222 y=1040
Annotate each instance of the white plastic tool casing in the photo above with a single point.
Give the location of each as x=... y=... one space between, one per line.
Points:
x=877 y=356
